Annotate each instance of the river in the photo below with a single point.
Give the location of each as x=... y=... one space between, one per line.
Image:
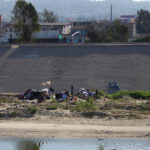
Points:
x=72 y=144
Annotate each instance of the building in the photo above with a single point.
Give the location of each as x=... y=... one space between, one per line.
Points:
x=50 y=32
x=130 y=21
x=78 y=34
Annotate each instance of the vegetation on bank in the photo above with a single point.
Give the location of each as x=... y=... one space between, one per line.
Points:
x=145 y=95
x=85 y=106
x=143 y=39
x=114 y=32
x=101 y=147
x=25 y=20
x=143 y=21
x=122 y=104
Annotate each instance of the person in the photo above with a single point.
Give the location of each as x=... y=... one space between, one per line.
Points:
x=96 y=92
x=72 y=90
x=51 y=90
x=10 y=37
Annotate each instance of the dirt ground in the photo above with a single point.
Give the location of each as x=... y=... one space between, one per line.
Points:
x=75 y=128
x=122 y=118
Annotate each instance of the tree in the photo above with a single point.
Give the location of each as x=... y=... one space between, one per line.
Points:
x=119 y=31
x=143 y=21
x=25 y=20
x=49 y=16
x=106 y=32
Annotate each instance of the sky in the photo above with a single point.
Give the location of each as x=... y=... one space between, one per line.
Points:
x=132 y=0
x=99 y=0
x=140 y=0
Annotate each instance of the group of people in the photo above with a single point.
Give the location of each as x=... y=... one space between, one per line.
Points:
x=46 y=93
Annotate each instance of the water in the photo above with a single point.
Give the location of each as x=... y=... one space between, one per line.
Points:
x=72 y=144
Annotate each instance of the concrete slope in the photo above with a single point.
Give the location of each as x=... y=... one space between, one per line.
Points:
x=83 y=66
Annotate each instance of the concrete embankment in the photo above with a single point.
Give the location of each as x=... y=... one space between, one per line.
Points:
x=89 y=66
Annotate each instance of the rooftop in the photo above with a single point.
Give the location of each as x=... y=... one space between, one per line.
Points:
x=55 y=24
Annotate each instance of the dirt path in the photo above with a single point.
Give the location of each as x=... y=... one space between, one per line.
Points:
x=71 y=130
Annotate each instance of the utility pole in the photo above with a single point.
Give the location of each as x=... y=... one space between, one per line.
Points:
x=111 y=17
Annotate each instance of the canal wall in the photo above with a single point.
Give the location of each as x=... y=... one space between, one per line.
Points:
x=89 y=66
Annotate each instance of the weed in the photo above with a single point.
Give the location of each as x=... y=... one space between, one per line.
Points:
x=100 y=94
x=101 y=147
x=53 y=100
x=1 y=115
x=13 y=114
x=120 y=94
x=32 y=110
x=133 y=94
x=52 y=107
x=87 y=106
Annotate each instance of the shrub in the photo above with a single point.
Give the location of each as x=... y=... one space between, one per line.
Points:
x=120 y=94
x=52 y=107
x=140 y=94
x=87 y=106
x=8 y=101
x=1 y=115
x=133 y=94
x=101 y=147
x=32 y=110
x=143 y=39
x=13 y=114
x=109 y=96
x=90 y=100
x=100 y=94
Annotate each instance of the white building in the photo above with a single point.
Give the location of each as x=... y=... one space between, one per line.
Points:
x=53 y=30
x=48 y=31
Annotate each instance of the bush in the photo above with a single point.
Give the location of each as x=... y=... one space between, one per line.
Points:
x=13 y=114
x=90 y=100
x=143 y=39
x=133 y=94
x=9 y=101
x=1 y=115
x=87 y=106
x=140 y=95
x=100 y=94
x=32 y=110
x=101 y=147
x=120 y=94
x=52 y=107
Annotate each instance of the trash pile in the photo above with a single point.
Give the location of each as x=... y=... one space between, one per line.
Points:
x=84 y=93
x=32 y=94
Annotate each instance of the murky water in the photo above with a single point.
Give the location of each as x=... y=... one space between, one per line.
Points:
x=72 y=144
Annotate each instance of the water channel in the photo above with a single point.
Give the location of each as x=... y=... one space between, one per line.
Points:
x=72 y=144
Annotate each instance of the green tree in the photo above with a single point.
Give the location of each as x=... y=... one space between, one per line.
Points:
x=143 y=21
x=48 y=16
x=25 y=20
x=115 y=32
x=119 y=32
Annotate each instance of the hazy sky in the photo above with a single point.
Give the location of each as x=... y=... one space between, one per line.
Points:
x=132 y=0
x=140 y=0
x=89 y=0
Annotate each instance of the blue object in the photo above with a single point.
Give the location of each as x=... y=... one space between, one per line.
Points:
x=64 y=96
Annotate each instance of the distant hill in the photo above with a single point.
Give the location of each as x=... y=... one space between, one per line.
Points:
x=81 y=9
